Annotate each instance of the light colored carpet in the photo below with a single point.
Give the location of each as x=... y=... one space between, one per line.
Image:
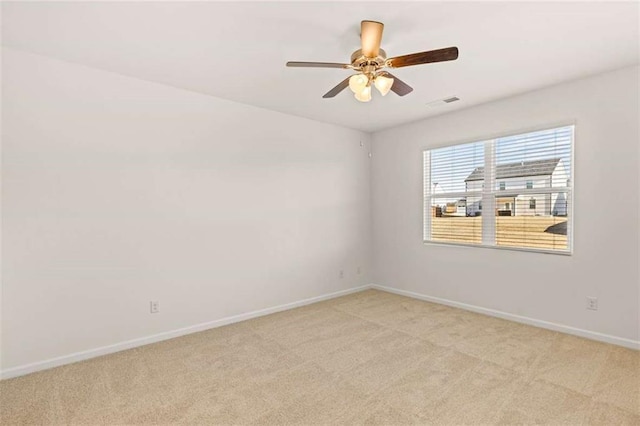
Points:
x=366 y=358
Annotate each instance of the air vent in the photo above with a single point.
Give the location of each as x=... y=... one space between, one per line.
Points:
x=442 y=102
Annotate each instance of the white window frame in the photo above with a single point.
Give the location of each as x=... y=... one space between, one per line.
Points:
x=488 y=195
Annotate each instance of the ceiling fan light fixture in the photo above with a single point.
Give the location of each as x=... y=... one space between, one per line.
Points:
x=364 y=95
x=358 y=82
x=383 y=84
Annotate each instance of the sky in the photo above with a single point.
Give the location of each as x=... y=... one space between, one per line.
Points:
x=450 y=175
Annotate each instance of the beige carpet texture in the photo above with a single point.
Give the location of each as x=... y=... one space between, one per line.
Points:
x=367 y=358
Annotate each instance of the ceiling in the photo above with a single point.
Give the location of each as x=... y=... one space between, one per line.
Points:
x=238 y=50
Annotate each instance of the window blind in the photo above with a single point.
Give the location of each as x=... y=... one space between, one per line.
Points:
x=448 y=194
x=512 y=191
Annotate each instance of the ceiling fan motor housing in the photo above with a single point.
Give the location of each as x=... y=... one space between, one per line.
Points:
x=360 y=61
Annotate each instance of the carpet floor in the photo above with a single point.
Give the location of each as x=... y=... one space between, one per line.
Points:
x=367 y=358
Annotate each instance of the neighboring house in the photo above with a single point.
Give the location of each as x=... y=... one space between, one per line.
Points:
x=512 y=177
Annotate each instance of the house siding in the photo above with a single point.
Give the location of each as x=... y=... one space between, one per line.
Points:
x=520 y=205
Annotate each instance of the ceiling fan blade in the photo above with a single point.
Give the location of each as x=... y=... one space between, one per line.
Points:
x=339 y=88
x=399 y=87
x=440 y=55
x=317 y=65
x=371 y=37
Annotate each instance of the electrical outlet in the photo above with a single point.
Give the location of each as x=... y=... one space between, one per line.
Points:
x=341 y=273
x=592 y=303
x=154 y=307
x=359 y=270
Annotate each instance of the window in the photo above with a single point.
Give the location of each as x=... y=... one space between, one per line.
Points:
x=499 y=175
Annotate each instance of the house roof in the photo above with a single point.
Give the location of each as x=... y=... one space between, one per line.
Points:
x=519 y=169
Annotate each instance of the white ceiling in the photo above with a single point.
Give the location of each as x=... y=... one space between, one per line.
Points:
x=238 y=51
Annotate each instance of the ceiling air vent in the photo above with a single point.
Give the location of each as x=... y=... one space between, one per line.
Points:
x=442 y=102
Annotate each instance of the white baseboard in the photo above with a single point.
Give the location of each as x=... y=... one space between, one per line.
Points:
x=620 y=341
x=129 y=344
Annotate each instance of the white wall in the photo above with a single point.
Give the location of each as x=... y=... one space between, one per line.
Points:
x=550 y=288
x=118 y=191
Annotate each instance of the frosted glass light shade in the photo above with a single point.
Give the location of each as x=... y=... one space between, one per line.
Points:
x=383 y=84
x=364 y=95
x=358 y=82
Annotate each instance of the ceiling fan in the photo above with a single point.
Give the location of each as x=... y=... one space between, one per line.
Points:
x=369 y=62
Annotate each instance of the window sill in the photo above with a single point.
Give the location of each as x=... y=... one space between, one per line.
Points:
x=496 y=247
